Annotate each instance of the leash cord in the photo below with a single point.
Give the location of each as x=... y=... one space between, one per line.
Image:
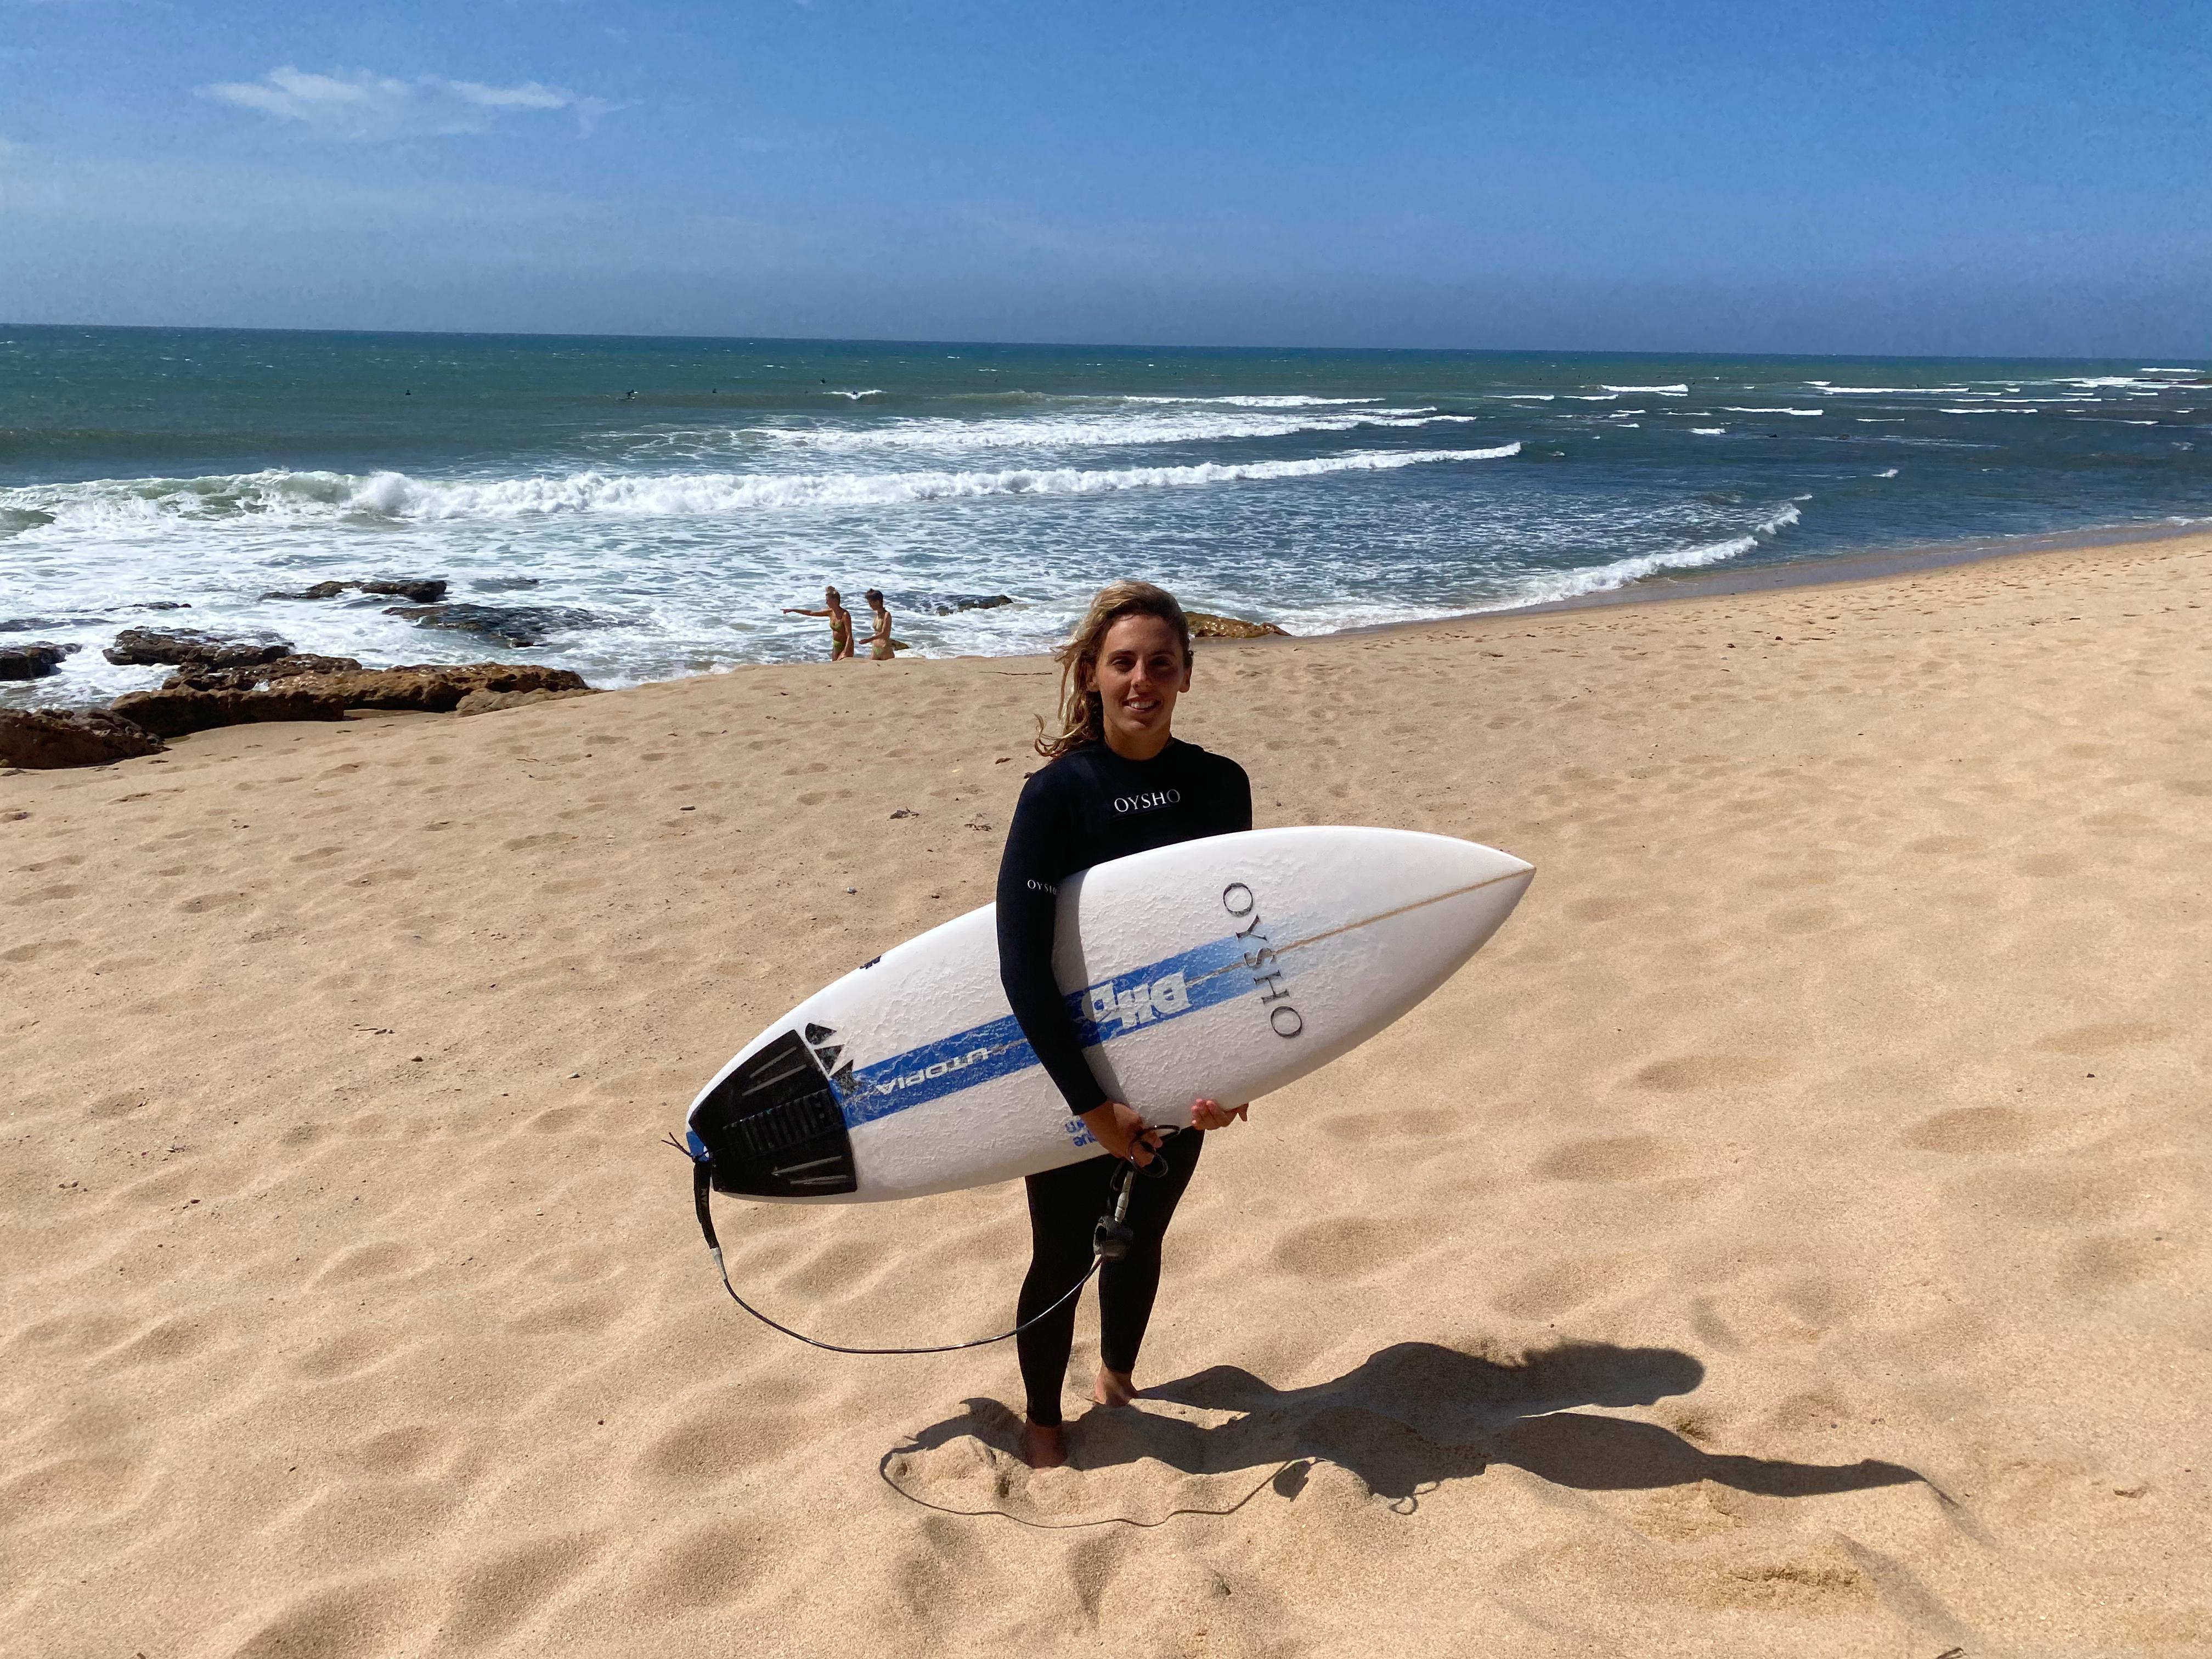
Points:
x=702 y=1187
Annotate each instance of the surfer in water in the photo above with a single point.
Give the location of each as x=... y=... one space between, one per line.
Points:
x=841 y=622
x=1118 y=782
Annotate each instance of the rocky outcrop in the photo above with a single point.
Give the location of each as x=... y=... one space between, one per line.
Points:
x=169 y=714
x=1204 y=625
x=424 y=590
x=512 y=625
x=426 y=688
x=302 y=662
x=487 y=702
x=136 y=646
x=438 y=687
x=944 y=604
x=33 y=660
x=47 y=737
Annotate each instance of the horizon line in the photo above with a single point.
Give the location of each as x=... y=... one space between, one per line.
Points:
x=1091 y=345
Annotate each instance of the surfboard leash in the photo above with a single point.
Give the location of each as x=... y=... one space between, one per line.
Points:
x=1109 y=1242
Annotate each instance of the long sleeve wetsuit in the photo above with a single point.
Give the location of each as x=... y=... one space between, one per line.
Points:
x=1086 y=807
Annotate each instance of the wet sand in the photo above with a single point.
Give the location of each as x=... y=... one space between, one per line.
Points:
x=1787 y=1235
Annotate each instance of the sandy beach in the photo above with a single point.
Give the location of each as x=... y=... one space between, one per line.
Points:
x=1787 y=1236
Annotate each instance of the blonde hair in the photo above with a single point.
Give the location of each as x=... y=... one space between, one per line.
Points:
x=1081 y=719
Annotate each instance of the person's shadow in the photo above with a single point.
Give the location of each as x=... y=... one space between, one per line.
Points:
x=1415 y=1414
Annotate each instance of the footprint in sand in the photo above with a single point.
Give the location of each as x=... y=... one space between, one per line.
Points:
x=357 y=1618
x=2101 y=1039
x=708 y=1567
x=1607 y=1158
x=72 y=1492
x=1552 y=1290
x=385 y=1260
x=1344 y=1247
x=1687 y=1073
x=488 y=1597
x=345 y=1356
x=1974 y=1129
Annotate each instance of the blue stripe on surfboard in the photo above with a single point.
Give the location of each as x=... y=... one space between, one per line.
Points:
x=1101 y=1012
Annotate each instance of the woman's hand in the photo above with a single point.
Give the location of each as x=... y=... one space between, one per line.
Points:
x=1122 y=1132
x=1212 y=1115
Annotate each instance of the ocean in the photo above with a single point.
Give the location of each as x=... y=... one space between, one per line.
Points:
x=644 y=508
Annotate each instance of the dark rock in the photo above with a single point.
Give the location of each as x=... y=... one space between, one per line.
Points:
x=432 y=688
x=1204 y=625
x=517 y=625
x=320 y=591
x=161 y=604
x=139 y=646
x=173 y=714
x=194 y=678
x=944 y=604
x=302 y=662
x=34 y=660
x=39 y=624
x=47 y=737
x=438 y=687
x=424 y=590
x=488 y=702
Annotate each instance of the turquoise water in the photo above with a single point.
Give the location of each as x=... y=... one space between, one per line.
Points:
x=663 y=498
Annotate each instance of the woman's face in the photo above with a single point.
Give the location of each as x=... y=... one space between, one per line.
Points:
x=1140 y=671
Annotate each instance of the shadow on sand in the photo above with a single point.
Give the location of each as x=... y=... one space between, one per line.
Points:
x=1415 y=1415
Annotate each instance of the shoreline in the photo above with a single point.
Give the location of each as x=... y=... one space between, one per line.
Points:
x=1868 y=564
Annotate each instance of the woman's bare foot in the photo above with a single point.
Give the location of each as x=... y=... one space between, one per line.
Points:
x=1114 y=1388
x=1044 y=1446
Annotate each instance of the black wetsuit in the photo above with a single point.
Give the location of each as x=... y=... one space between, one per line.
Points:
x=1085 y=808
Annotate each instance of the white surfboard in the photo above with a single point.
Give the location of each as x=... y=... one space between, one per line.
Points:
x=1220 y=969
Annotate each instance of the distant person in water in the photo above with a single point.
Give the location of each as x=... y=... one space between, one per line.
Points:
x=881 y=645
x=841 y=622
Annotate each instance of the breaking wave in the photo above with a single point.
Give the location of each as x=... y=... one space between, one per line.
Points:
x=1604 y=578
x=113 y=507
x=1103 y=431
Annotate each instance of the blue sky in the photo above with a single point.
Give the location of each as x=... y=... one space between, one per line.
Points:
x=1940 y=177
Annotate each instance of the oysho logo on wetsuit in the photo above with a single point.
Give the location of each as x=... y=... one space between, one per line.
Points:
x=931 y=1073
x=1266 y=967
x=1149 y=800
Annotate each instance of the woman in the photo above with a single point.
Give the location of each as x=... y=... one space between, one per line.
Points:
x=841 y=622
x=880 y=644
x=1119 y=782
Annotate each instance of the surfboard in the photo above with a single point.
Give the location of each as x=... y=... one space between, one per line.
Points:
x=1220 y=969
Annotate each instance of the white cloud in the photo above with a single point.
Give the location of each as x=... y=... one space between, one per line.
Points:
x=362 y=106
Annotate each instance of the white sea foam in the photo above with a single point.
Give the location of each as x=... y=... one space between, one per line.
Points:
x=1526 y=396
x=1887 y=472
x=1592 y=397
x=1604 y=578
x=125 y=506
x=1097 y=430
x=1708 y=431
x=1254 y=402
x=1738 y=408
x=1680 y=389
x=1829 y=389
